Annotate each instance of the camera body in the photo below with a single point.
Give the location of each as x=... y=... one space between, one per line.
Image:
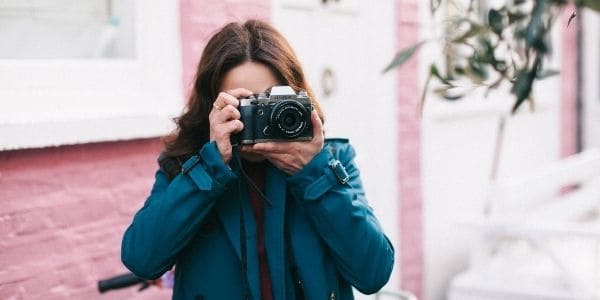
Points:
x=277 y=115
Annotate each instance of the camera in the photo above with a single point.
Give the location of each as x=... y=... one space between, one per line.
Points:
x=276 y=115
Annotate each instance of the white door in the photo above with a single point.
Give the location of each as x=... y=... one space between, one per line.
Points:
x=343 y=46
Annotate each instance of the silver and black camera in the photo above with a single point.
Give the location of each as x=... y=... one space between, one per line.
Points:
x=277 y=115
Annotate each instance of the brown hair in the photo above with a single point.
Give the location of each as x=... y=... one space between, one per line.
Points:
x=231 y=46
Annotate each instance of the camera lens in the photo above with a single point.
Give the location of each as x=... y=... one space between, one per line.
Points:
x=290 y=118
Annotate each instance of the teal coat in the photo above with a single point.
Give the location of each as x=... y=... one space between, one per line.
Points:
x=193 y=222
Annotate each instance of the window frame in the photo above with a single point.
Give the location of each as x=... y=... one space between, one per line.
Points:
x=52 y=102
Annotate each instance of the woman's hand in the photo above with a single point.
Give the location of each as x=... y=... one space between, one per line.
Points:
x=293 y=156
x=224 y=119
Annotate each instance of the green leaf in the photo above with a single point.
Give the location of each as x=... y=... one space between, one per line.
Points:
x=495 y=21
x=449 y=93
x=441 y=89
x=434 y=71
x=476 y=71
x=516 y=16
x=591 y=4
x=485 y=52
x=402 y=56
x=459 y=70
x=474 y=30
x=522 y=86
x=452 y=97
x=534 y=34
x=547 y=73
x=500 y=66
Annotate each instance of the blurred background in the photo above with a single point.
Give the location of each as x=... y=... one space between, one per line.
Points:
x=480 y=202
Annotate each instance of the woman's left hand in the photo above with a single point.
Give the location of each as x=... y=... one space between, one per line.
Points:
x=293 y=156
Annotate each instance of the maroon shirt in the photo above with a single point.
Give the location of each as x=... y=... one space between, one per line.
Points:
x=256 y=172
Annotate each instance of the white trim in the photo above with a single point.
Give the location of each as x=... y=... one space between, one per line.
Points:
x=591 y=69
x=81 y=131
x=62 y=101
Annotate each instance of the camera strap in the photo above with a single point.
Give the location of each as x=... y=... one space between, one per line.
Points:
x=237 y=165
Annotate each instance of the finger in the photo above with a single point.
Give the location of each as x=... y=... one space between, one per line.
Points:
x=239 y=92
x=230 y=97
x=228 y=113
x=317 y=124
x=284 y=162
x=234 y=126
x=246 y=148
x=224 y=131
x=224 y=99
x=282 y=158
x=272 y=148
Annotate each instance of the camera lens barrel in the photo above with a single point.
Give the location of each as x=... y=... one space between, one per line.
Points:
x=289 y=118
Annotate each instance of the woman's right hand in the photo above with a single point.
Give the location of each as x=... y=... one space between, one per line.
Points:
x=224 y=120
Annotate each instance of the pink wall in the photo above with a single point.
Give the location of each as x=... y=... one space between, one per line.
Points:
x=568 y=89
x=63 y=210
x=62 y=214
x=200 y=19
x=409 y=152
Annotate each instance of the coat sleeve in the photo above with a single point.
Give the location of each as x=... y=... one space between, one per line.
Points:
x=173 y=213
x=342 y=217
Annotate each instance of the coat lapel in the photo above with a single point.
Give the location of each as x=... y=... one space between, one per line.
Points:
x=228 y=210
x=274 y=229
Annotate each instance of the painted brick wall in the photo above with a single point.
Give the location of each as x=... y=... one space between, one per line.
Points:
x=62 y=214
x=409 y=152
x=200 y=19
x=63 y=210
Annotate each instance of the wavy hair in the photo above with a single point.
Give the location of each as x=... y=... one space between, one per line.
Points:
x=235 y=43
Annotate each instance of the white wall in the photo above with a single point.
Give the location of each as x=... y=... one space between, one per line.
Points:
x=591 y=80
x=457 y=161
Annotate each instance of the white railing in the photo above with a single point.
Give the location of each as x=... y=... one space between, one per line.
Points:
x=540 y=238
x=400 y=295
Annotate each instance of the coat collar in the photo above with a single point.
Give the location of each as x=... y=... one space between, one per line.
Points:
x=228 y=210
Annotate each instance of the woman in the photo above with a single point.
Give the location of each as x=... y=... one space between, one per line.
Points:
x=294 y=225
